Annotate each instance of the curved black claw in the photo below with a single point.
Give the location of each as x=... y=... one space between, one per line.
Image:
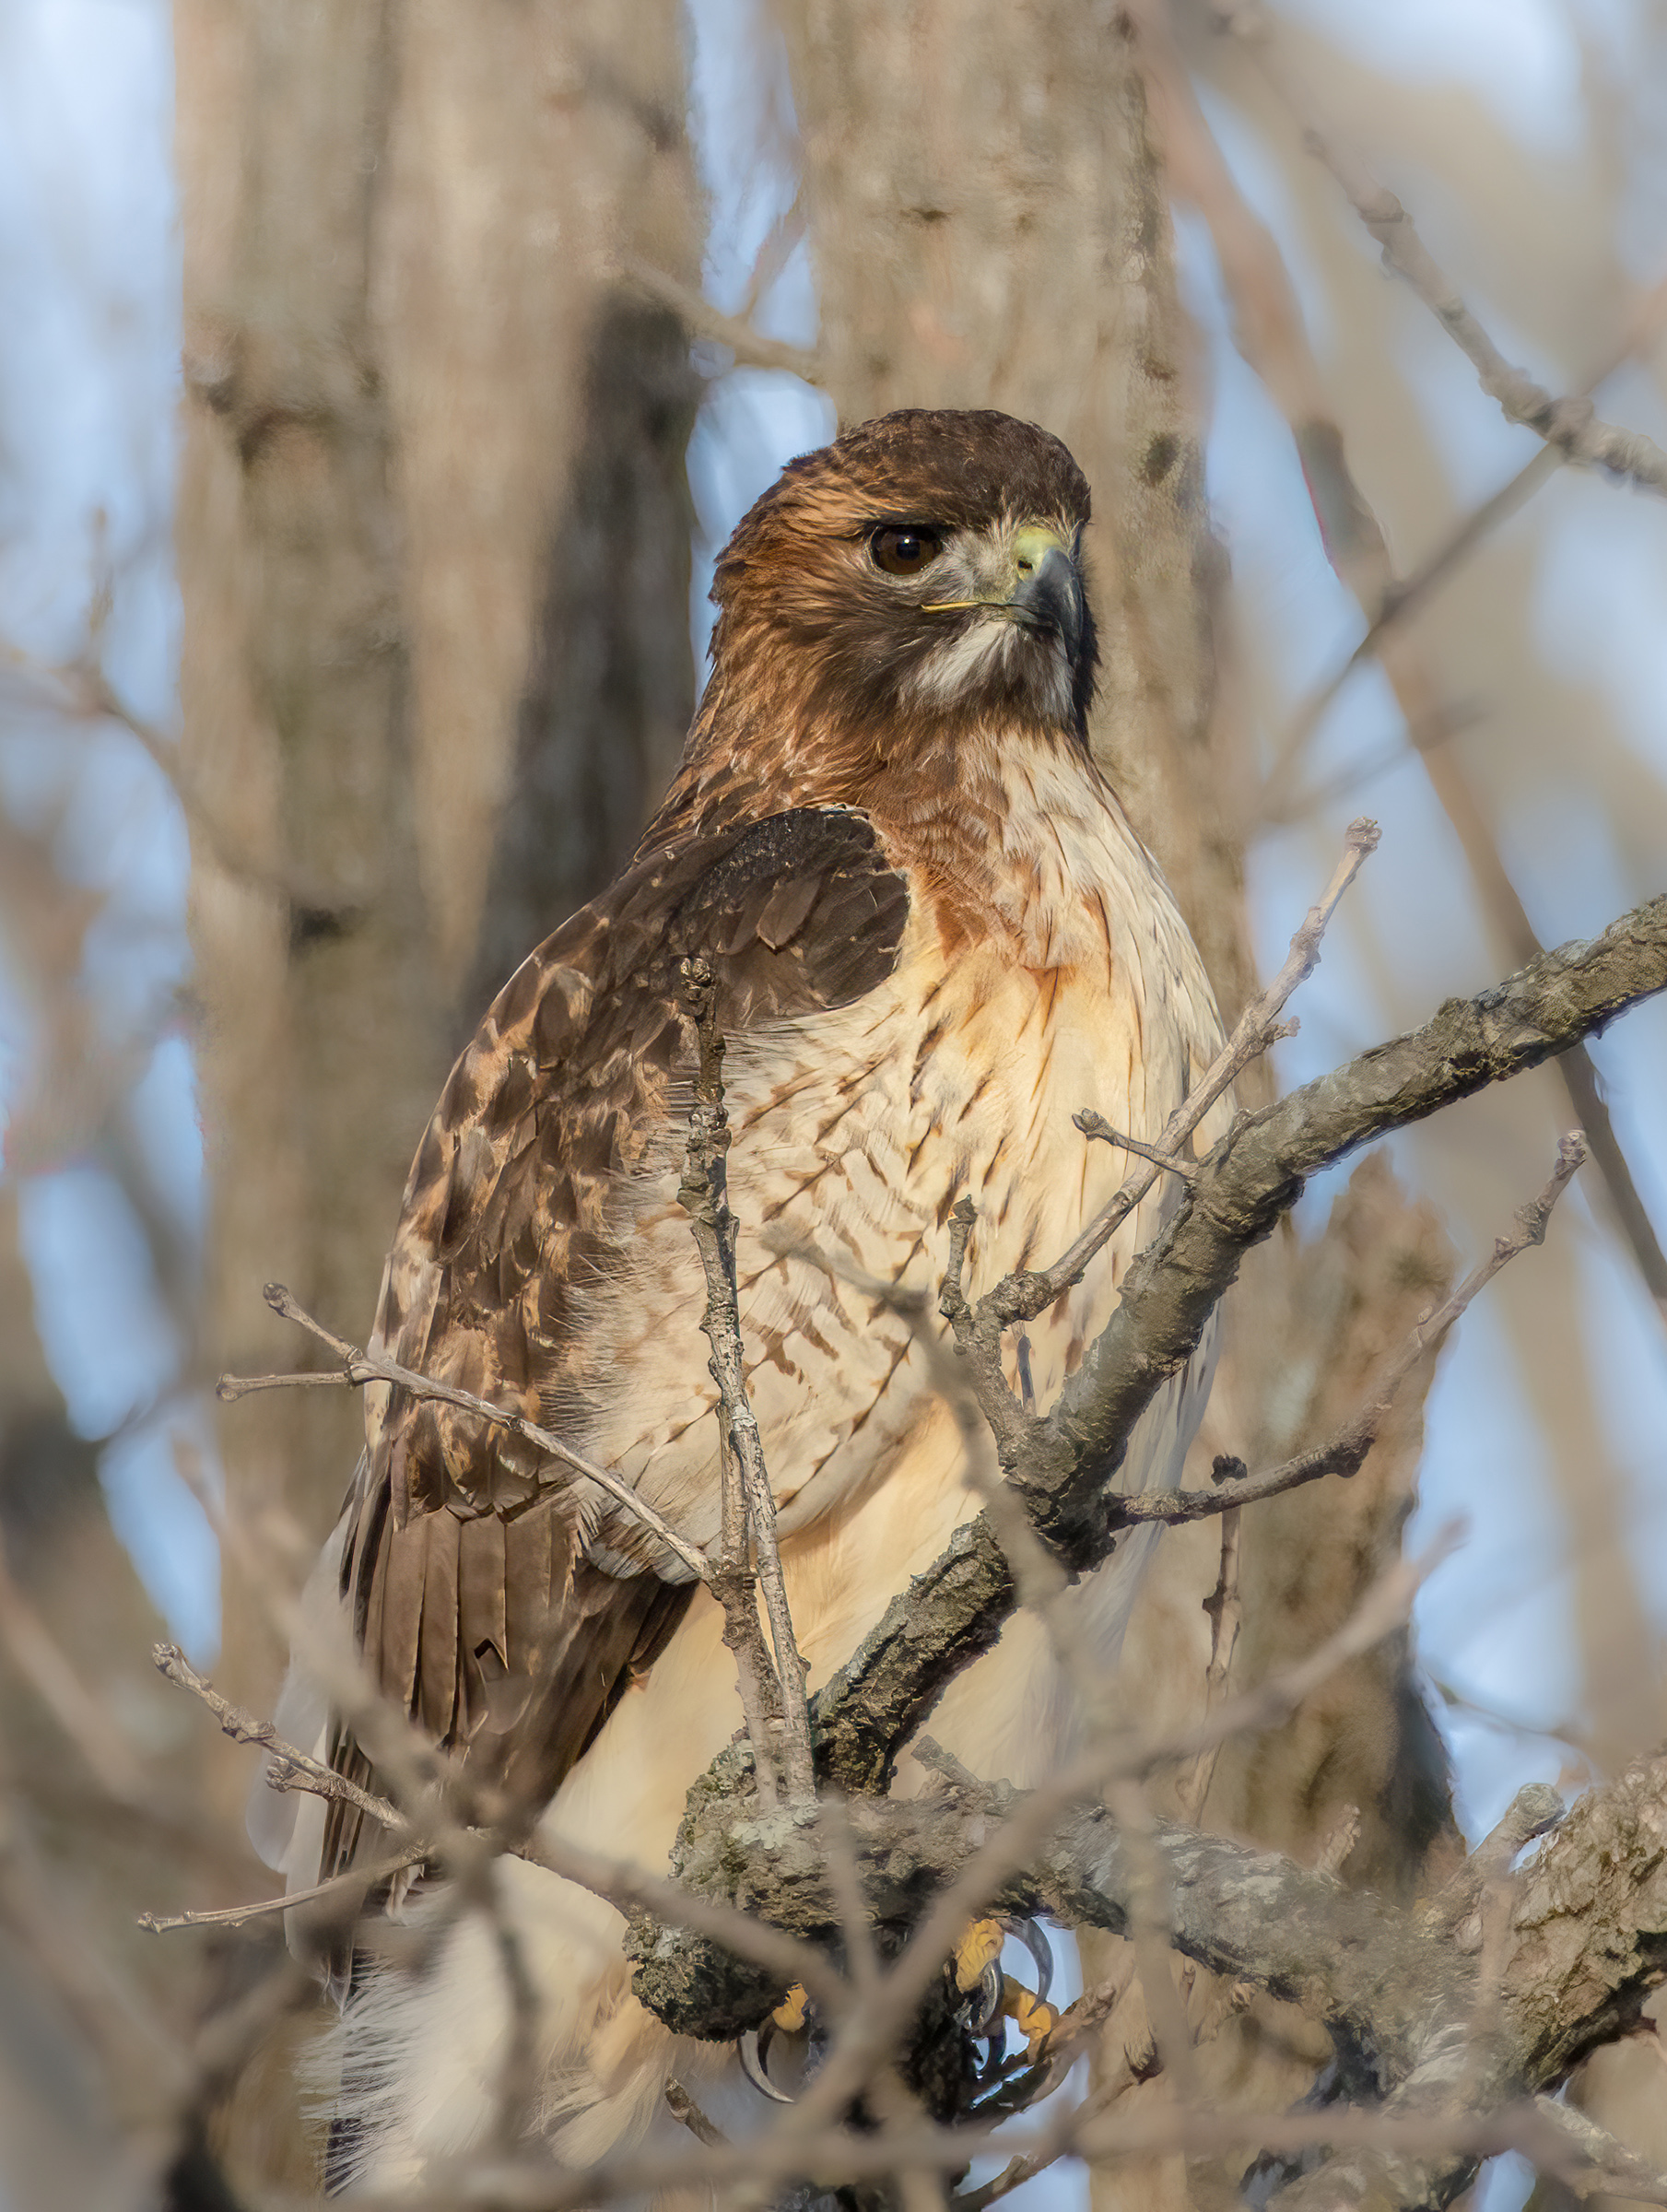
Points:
x=1041 y=1952
x=753 y=2050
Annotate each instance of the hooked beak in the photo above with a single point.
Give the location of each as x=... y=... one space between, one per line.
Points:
x=1048 y=592
x=1045 y=592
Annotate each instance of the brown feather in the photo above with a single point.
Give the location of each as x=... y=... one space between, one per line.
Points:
x=819 y=806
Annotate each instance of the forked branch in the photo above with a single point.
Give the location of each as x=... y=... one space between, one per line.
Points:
x=1063 y=1463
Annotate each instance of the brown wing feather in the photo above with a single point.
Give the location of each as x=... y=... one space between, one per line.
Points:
x=462 y=1567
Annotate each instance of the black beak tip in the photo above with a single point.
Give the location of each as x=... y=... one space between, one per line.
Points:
x=1051 y=596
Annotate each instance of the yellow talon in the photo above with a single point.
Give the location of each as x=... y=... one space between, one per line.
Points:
x=980 y=1944
x=1032 y=2015
x=789 y=2015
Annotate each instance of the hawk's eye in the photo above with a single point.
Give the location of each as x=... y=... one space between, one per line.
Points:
x=904 y=549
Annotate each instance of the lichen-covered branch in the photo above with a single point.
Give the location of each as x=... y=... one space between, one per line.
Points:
x=1585 y=1941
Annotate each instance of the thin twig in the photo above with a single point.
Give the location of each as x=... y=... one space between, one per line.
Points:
x=1346 y=1453
x=682 y=2106
x=866 y=2037
x=1225 y=1606
x=43 y=1663
x=356 y=1881
x=954 y=1608
x=628 y=1887
x=704 y=1194
x=291 y=1767
x=1038 y=1576
x=1269 y=332
x=735 y=1584
x=360 y=1368
x=1570 y=423
x=1095 y=1125
x=1582 y=2155
x=702 y=320
x=86 y=692
x=1397 y=599
x=1023 y=1297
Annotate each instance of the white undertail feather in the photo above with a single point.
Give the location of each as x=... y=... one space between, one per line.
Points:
x=1088 y=994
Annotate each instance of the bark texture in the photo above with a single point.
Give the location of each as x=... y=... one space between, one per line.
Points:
x=433 y=553
x=1005 y=244
x=433 y=545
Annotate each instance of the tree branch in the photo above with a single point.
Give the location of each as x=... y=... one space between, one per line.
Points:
x=749 y=1505
x=1346 y=1453
x=629 y=1888
x=1569 y=424
x=1586 y=1941
x=702 y=320
x=1063 y=1463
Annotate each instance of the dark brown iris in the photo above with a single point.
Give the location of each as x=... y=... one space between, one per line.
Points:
x=904 y=548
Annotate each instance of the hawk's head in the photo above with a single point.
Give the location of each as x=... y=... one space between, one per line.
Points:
x=925 y=568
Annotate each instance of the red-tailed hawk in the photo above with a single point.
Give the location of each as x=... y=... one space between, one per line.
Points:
x=935 y=937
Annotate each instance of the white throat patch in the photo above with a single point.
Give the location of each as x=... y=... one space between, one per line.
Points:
x=954 y=670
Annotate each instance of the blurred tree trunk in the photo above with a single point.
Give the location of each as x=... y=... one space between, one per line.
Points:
x=1006 y=244
x=434 y=556
x=429 y=447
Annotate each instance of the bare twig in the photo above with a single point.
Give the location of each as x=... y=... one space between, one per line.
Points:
x=736 y=1583
x=43 y=1663
x=1038 y=1577
x=702 y=320
x=84 y=690
x=1096 y=1125
x=1346 y=1453
x=1020 y=1298
x=291 y=1767
x=1158 y=2131
x=628 y=1887
x=1256 y=1028
x=360 y=1368
x=704 y=1195
x=1269 y=332
x=682 y=2106
x=1064 y=1462
x=1600 y=2164
x=1395 y=600
x=1225 y=1609
x=866 y=2037
x=1516 y=933
x=352 y=1883
x=1569 y=424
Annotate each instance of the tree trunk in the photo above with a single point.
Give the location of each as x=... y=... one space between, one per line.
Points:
x=434 y=556
x=428 y=445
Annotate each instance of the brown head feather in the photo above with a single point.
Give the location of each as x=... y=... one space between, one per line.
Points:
x=816 y=652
